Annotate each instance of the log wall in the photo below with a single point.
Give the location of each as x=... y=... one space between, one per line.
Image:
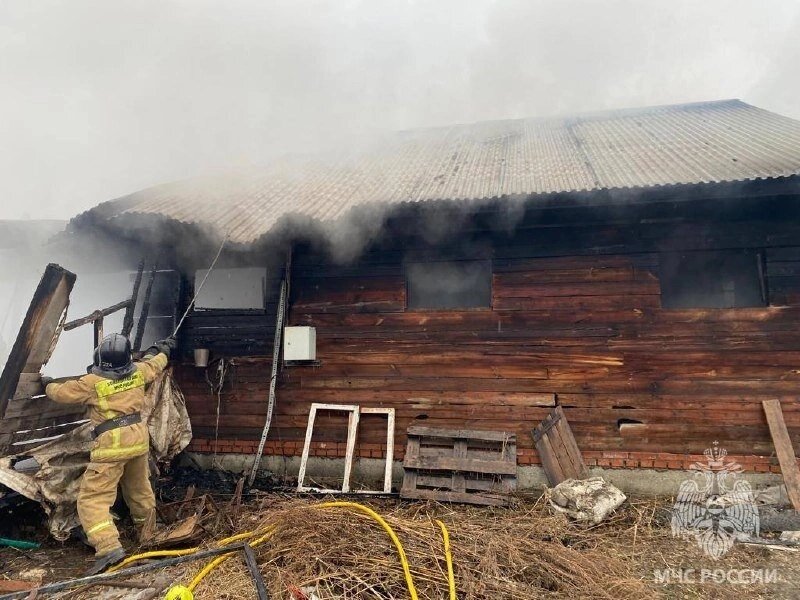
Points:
x=575 y=315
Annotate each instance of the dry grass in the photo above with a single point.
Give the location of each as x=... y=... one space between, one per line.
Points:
x=522 y=552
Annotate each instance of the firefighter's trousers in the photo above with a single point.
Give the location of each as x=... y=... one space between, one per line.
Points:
x=98 y=493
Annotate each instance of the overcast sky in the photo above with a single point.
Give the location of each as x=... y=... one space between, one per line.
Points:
x=101 y=98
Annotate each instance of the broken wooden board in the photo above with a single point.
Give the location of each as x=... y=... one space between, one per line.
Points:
x=16 y=585
x=784 y=449
x=21 y=375
x=459 y=465
x=560 y=455
x=186 y=521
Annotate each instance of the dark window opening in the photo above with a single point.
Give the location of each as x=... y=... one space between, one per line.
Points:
x=162 y=308
x=714 y=279
x=456 y=284
x=231 y=289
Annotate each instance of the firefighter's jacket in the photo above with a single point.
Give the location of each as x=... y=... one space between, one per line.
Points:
x=107 y=399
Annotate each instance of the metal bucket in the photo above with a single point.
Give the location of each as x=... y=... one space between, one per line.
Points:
x=201 y=357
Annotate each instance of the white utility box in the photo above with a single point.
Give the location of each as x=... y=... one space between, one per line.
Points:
x=299 y=343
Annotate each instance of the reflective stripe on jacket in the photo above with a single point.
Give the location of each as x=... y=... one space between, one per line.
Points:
x=108 y=398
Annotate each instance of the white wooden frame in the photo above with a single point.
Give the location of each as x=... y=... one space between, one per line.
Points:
x=387 y=471
x=352 y=431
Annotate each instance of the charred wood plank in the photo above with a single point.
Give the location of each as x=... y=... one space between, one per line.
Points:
x=127 y=321
x=137 y=344
x=96 y=315
x=33 y=344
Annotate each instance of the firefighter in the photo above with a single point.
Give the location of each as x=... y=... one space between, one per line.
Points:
x=114 y=392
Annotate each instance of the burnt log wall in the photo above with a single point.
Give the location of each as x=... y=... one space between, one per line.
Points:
x=575 y=313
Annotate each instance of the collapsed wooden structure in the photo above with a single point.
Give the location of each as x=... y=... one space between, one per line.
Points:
x=28 y=417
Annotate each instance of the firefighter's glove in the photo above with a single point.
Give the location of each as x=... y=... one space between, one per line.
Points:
x=167 y=345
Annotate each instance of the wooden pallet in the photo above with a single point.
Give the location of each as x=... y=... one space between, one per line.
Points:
x=459 y=465
x=561 y=457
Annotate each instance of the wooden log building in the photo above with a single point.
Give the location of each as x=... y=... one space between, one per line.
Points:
x=641 y=268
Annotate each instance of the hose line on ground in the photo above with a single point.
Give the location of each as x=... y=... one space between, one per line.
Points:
x=153 y=554
x=451 y=578
x=353 y=505
x=412 y=590
x=179 y=591
x=221 y=559
x=181 y=552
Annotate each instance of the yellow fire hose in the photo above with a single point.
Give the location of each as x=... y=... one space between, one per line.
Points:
x=180 y=592
x=412 y=590
x=181 y=552
x=213 y=564
x=451 y=578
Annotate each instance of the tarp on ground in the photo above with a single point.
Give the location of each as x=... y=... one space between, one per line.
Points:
x=62 y=461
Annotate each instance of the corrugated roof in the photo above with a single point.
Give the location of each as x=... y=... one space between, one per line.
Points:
x=634 y=148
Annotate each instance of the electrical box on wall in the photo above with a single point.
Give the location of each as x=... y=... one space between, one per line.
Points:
x=299 y=343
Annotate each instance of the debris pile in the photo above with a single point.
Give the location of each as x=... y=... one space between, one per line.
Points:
x=526 y=551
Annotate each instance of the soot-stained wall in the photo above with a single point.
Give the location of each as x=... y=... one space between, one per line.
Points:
x=576 y=314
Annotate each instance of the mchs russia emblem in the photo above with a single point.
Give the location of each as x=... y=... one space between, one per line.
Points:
x=716 y=507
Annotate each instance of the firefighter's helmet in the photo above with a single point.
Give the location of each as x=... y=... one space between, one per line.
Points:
x=113 y=357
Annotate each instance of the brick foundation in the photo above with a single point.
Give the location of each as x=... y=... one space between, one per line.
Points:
x=525 y=456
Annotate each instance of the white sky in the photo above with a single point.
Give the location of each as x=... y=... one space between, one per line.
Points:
x=99 y=99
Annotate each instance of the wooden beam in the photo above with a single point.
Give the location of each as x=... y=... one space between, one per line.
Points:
x=98 y=330
x=98 y=314
x=784 y=449
x=33 y=344
x=461 y=463
x=280 y=317
x=471 y=434
x=352 y=432
x=127 y=321
x=145 y=312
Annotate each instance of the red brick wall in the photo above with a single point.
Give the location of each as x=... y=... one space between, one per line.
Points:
x=525 y=456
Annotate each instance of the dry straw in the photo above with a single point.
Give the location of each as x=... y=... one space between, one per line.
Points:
x=519 y=553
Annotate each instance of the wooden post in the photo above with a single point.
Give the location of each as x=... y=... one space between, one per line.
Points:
x=127 y=321
x=98 y=330
x=145 y=312
x=784 y=449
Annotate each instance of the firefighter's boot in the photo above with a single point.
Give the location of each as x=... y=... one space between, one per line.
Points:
x=102 y=562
